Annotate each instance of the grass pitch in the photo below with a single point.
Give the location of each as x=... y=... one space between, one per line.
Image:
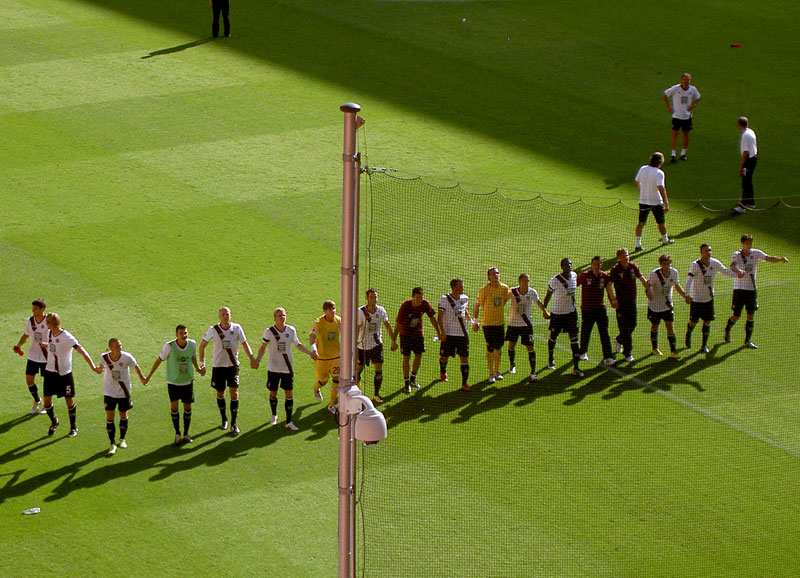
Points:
x=150 y=177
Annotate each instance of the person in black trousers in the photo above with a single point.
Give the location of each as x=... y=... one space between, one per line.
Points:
x=221 y=7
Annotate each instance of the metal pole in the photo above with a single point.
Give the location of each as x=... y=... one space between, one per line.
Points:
x=347 y=352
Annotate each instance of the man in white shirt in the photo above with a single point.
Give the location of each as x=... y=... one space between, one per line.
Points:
x=563 y=314
x=744 y=287
x=35 y=329
x=225 y=370
x=659 y=303
x=520 y=322
x=116 y=365
x=748 y=148
x=370 y=320
x=280 y=370
x=652 y=197
x=453 y=318
x=681 y=99
x=700 y=288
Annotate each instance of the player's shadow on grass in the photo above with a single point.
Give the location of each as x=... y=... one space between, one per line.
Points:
x=704 y=225
x=179 y=48
x=15 y=422
x=320 y=421
x=27 y=449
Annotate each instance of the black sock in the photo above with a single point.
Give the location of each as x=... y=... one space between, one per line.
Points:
x=407 y=381
x=414 y=377
x=273 y=405
x=532 y=360
x=111 y=430
x=512 y=353
x=706 y=332
x=748 y=330
x=73 y=418
x=288 y=405
x=576 y=351
x=729 y=325
x=34 y=392
x=51 y=413
x=654 y=339
x=551 y=347
x=221 y=406
x=176 y=416
x=234 y=410
x=123 y=427
x=673 y=346
x=187 y=420
x=443 y=364
x=378 y=381
x=464 y=373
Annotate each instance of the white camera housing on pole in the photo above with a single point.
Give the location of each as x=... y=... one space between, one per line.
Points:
x=370 y=424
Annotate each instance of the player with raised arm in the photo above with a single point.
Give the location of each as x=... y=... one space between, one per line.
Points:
x=453 y=318
x=371 y=319
x=280 y=338
x=700 y=287
x=492 y=298
x=662 y=281
x=520 y=322
x=36 y=330
x=408 y=326
x=563 y=314
x=181 y=357
x=227 y=336
x=116 y=365
x=324 y=341
x=746 y=260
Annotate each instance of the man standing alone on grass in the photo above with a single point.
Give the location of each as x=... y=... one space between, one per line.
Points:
x=652 y=197
x=744 y=287
x=181 y=358
x=116 y=366
x=220 y=7
x=684 y=98
x=36 y=329
x=408 y=326
x=700 y=287
x=225 y=371
x=492 y=298
x=624 y=275
x=749 y=151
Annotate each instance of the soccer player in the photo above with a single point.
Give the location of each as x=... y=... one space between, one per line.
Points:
x=324 y=340
x=36 y=329
x=700 y=287
x=220 y=7
x=662 y=280
x=226 y=336
x=744 y=288
x=116 y=365
x=280 y=372
x=181 y=357
x=748 y=148
x=58 y=380
x=520 y=325
x=408 y=326
x=492 y=298
x=684 y=98
x=453 y=318
x=652 y=197
x=594 y=282
x=371 y=318
x=623 y=276
x=563 y=314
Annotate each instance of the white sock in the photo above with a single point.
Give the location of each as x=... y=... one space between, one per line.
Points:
x=638 y=241
x=665 y=238
x=672 y=154
x=683 y=152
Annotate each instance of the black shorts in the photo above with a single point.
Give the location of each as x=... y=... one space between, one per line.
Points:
x=454 y=345
x=112 y=403
x=658 y=213
x=656 y=317
x=409 y=345
x=564 y=322
x=681 y=124
x=374 y=355
x=184 y=393
x=225 y=376
x=494 y=335
x=704 y=311
x=276 y=379
x=58 y=385
x=34 y=367
x=522 y=333
x=743 y=298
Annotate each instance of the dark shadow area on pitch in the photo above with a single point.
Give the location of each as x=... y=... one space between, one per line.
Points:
x=703 y=226
x=179 y=48
x=7 y=426
x=319 y=421
x=14 y=488
x=27 y=449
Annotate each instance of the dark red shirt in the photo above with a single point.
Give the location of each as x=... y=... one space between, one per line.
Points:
x=624 y=281
x=592 y=289
x=409 y=318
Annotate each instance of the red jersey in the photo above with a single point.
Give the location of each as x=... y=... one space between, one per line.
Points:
x=624 y=281
x=592 y=289
x=409 y=317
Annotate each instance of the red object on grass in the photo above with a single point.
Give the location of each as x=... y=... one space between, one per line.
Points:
x=736 y=45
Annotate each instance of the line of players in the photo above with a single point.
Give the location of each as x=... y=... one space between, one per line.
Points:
x=50 y=353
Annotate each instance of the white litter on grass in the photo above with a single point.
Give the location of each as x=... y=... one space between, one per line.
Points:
x=31 y=511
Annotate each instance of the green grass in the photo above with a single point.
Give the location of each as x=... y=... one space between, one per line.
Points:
x=149 y=179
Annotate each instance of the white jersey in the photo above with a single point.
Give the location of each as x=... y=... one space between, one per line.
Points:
x=59 y=357
x=748 y=264
x=120 y=370
x=563 y=288
x=454 y=320
x=700 y=281
x=522 y=304
x=661 y=289
x=681 y=99
x=226 y=347
x=748 y=143
x=38 y=334
x=370 y=332
x=280 y=348
x=649 y=179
